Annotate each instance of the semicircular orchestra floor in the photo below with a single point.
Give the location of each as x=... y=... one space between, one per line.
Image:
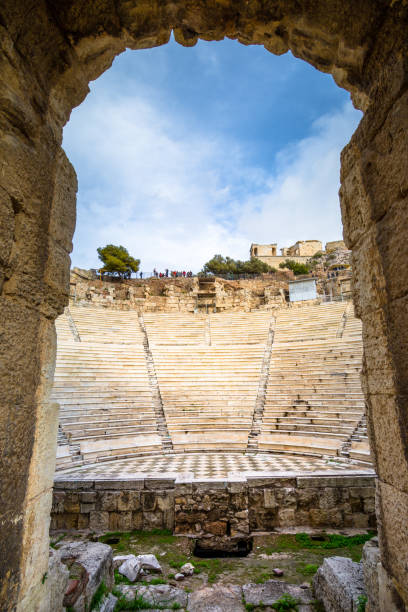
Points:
x=207 y=465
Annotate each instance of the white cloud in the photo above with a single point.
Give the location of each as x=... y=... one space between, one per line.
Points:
x=175 y=198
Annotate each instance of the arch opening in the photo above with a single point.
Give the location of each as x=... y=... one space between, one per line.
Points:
x=39 y=187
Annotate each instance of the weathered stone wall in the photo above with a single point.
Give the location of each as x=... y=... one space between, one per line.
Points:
x=180 y=294
x=49 y=53
x=233 y=507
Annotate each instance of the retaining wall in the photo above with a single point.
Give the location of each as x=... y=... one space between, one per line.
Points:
x=232 y=507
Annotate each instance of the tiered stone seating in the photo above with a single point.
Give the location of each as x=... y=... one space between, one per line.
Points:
x=298 y=324
x=105 y=398
x=64 y=333
x=174 y=328
x=353 y=326
x=314 y=400
x=239 y=328
x=107 y=326
x=209 y=393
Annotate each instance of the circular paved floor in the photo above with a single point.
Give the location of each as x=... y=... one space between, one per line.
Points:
x=206 y=465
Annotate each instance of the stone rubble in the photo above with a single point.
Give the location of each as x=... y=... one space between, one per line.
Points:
x=130 y=568
x=338 y=583
x=217 y=598
x=187 y=569
x=156 y=595
x=269 y=592
x=133 y=566
x=108 y=604
x=89 y=563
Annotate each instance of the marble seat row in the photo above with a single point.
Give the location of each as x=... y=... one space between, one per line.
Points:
x=314 y=401
x=209 y=371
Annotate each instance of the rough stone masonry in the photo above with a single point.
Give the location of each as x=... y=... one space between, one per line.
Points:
x=49 y=52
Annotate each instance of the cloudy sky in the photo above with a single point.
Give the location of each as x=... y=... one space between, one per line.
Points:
x=184 y=153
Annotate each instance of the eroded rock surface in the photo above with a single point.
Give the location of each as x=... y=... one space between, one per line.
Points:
x=217 y=598
x=338 y=583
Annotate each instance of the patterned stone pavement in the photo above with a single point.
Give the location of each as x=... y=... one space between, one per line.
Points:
x=205 y=465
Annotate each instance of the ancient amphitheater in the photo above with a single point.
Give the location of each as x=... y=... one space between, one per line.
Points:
x=257 y=391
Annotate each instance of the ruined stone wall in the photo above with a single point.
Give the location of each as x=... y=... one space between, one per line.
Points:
x=49 y=53
x=232 y=507
x=180 y=294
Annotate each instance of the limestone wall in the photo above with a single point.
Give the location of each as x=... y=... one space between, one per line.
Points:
x=180 y=294
x=235 y=506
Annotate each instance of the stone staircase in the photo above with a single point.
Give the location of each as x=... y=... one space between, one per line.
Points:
x=75 y=457
x=72 y=325
x=252 y=447
x=206 y=296
x=359 y=435
x=162 y=429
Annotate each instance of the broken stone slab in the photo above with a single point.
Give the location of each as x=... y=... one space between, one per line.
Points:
x=338 y=584
x=187 y=569
x=57 y=581
x=277 y=571
x=89 y=564
x=370 y=562
x=218 y=598
x=130 y=568
x=119 y=559
x=150 y=563
x=272 y=590
x=155 y=595
x=179 y=576
x=108 y=604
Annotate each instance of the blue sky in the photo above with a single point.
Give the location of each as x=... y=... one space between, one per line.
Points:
x=182 y=153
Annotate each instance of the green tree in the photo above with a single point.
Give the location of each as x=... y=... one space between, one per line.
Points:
x=297 y=268
x=226 y=265
x=117 y=260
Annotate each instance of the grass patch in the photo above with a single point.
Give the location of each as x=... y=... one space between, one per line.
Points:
x=285 y=603
x=347 y=545
x=120 y=579
x=139 y=603
x=99 y=595
x=307 y=569
x=262 y=578
x=155 y=536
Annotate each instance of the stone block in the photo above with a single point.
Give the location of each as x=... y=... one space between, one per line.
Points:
x=328 y=498
x=268 y=593
x=85 y=508
x=128 y=500
x=99 y=521
x=220 y=597
x=108 y=501
x=286 y=517
x=93 y=564
x=120 y=521
x=370 y=560
x=270 y=499
x=137 y=520
x=148 y=499
x=338 y=583
x=131 y=484
x=88 y=497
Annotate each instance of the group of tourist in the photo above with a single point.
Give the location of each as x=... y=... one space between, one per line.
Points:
x=173 y=274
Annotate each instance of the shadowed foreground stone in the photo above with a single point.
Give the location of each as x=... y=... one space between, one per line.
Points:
x=272 y=590
x=162 y=595
x=90 y=564
x=219 y=598
x=338 y=583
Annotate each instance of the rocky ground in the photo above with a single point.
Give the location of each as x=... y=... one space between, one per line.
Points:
x=156 y=570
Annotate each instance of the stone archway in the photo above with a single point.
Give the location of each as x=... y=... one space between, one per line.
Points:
x=50 y=51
